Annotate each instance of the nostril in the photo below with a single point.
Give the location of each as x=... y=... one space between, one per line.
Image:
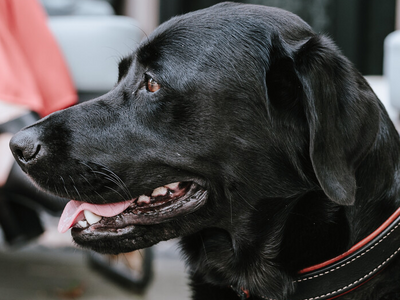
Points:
x=25 y=147
x=19 y=154
x=27 y=154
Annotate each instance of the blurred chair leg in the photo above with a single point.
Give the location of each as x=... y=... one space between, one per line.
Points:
x=133 y=270
x=19 y=223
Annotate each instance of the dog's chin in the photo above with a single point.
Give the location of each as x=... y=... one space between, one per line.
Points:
x=144 y=222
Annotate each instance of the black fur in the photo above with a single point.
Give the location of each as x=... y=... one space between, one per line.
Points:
x=299 y=157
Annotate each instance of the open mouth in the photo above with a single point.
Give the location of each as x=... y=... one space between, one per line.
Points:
x=161 y=205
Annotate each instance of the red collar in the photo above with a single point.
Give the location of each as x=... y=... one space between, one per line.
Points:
x=350 y=270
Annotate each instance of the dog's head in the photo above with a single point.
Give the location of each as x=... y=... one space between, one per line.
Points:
x=215 y=112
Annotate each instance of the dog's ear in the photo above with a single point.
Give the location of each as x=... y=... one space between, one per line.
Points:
x=342 y=114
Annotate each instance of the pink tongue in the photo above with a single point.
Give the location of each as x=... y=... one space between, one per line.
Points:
x=74 y=208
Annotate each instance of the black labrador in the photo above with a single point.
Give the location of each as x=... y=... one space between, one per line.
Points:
x=245 y=133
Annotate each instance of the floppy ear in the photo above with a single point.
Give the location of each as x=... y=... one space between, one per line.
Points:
x=342 y=114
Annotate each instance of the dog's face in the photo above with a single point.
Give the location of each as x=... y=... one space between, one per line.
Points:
x=213 y=114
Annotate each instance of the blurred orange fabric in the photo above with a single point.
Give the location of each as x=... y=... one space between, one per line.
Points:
x=33 y=72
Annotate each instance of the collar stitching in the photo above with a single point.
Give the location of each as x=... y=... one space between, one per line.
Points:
x=354 y=259
x=357 y=281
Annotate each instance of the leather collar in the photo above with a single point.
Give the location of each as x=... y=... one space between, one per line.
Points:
x=349 y=270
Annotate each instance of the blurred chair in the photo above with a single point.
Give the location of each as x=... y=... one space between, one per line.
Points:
x=93 y=45
x=77 y=7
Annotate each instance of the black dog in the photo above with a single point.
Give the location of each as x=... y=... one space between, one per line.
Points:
x=245 y=133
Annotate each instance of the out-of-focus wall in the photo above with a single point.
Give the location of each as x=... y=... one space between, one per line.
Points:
x=146 y=12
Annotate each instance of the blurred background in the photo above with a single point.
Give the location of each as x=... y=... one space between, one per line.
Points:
x=359 y=27
x=93 y=36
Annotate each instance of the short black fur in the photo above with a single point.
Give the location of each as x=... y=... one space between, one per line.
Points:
x=298 y=156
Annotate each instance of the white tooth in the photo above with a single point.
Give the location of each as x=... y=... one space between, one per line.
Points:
x=143 y=199
x=160 y=191
x=172 y=186
x=91 y=218
x=83 y=223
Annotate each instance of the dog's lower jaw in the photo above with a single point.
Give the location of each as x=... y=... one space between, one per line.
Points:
x=140 y=225
x=135 y=236
x=143 y=237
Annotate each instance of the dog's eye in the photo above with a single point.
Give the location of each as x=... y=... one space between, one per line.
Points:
x=152 y=85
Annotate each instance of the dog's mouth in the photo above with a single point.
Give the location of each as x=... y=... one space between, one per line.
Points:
x=161 y=205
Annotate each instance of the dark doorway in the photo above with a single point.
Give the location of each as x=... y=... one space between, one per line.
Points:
x=359 y=27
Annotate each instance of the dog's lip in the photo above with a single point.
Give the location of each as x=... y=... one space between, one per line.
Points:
x=74 y=212
x=163 y=204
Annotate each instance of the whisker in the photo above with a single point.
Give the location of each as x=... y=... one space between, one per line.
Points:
x=115 y=191
x=73 y=184
x=76 y=190
x=231 y=207
x=55 y=188
x=86 y=165
x=84 y=178
x=118 y=179
x=115 y=179
x=123 y=185
x=110 y=178
x=244 y=199
x=100 y=196
x=204 y=248
x=109 y=175
x=65 y=188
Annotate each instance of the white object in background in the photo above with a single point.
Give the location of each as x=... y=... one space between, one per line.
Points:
x=380 y=86
x=391 y=67
x=93 y=47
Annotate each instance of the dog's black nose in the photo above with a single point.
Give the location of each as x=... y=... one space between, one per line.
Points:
x=25 y=147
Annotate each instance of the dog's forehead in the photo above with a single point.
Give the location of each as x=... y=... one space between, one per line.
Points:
x=224 y=25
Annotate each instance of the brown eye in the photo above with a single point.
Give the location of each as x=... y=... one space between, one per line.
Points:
x=152 y=85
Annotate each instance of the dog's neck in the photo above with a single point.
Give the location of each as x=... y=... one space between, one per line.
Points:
x=350 y=270
x=287 y=235
x=377 y=198
x=320 y=226
x=378 y=180
x=306 y=231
